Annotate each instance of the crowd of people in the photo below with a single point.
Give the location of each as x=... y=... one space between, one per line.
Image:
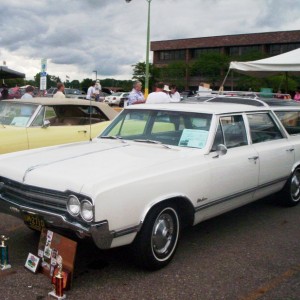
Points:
x=162 y=93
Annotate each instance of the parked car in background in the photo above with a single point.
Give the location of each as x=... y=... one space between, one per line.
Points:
x=69 y=93
x=178 y=164
x=115 y=98
x=75 y=93
x=39 y=122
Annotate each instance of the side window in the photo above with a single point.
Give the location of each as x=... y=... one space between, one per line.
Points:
x=234 y=131
x=290 y=121
x=263 y=128
x=219 y=138
x=39 y=119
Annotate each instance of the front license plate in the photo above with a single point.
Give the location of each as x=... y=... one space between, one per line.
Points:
x=35 y=222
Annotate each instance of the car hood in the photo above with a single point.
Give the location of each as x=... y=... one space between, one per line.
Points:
x=86 y=164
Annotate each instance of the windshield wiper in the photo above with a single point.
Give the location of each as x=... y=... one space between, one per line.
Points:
x=151 y=142
x=112 y=137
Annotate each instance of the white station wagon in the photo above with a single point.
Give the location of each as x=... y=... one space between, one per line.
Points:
x=153 y=170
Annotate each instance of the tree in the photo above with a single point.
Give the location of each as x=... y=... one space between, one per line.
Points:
x=139 y=73
x=174 y=73
x=210 y=66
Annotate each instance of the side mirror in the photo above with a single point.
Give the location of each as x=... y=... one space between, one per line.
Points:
x=46 y=124
x=221 y=149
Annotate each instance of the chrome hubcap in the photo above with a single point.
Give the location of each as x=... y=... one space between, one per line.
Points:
x=163 y=234
x=295 y=186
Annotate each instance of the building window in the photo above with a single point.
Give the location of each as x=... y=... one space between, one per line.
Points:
x=234 y=51
x=289 y=47
x=249 y=49
x=196 y=53
x=172 y=55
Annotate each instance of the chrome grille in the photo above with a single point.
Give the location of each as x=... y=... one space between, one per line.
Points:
x=34 y=197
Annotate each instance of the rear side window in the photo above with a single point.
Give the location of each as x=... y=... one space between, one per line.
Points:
x=263 y=128
x=290 y=120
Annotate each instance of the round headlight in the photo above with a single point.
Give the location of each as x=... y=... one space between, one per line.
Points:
x=87 y=212
x=73 y=205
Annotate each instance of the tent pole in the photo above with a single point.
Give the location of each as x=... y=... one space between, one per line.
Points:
x=221 y=89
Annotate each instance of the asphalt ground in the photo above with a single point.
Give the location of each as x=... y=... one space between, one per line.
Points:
x=250 y=253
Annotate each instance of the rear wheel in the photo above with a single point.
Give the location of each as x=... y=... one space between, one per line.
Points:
x=290 y=195
x=157 y=241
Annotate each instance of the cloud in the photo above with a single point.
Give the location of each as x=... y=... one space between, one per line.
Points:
x=78 y=36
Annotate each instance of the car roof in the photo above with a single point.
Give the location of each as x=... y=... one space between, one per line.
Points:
x=108 y=111
x=202 y=107
x=274 y=103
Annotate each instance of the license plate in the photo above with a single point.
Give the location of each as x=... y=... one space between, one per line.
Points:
x=35 y=222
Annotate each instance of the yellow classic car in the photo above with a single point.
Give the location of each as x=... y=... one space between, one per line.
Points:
x=40 y=122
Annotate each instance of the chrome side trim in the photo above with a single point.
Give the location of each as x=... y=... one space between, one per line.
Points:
x=126 y=231
x=245 y=192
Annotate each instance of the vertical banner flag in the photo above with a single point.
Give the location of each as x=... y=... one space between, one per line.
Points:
x=43 y=80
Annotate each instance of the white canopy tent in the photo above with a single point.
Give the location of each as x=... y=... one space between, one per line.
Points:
x=286 y=63
x=282 y=63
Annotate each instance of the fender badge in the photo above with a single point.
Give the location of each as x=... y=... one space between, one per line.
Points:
x=201 y=199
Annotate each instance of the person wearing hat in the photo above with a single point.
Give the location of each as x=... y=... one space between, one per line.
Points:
x=159 y=96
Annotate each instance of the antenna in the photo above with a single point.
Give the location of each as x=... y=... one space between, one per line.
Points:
x=90 y=116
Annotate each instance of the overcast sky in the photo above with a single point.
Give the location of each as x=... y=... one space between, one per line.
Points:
x=79 y=36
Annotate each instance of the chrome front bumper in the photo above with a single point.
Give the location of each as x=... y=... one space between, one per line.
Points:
x=99 y=231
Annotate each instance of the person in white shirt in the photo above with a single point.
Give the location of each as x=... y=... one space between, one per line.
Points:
x=60 y=91
x=28 y=92
x=91 y=91
x=175 y=96
x=159 y=96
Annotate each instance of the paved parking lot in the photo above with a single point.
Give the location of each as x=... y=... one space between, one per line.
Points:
x=250 y=253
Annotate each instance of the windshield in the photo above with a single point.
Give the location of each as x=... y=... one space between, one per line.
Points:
x=184 y=129
x=16 y=114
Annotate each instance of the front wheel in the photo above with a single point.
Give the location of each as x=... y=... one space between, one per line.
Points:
x=157 y=241
x=290 y=195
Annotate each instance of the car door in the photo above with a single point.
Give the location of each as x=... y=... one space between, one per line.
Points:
x=57 y=133
x=13 y=138
x=275 y=151
x=234 y=175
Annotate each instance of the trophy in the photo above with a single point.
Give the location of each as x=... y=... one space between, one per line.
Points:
x=58 y=282
x=4 y=263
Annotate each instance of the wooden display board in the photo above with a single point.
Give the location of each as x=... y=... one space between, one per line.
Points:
x=51 y=245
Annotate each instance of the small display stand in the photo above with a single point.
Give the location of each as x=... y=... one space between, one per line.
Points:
x=52 y=246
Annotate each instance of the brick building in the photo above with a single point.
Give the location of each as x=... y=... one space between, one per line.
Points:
x=188 y=50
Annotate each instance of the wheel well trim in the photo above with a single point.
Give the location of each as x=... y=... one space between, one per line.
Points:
x=176 y=198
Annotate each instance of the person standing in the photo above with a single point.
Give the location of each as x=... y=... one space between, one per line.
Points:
x=175 y=96
x=97 y=90
x=136 y=96
x=297 y=95
x=91 y=91
x=159 y=96
x=28 y=92
x=4 y=92
x=60 y=91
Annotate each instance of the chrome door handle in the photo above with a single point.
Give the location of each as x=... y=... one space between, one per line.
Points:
x=255 y=158
x=84 y=131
